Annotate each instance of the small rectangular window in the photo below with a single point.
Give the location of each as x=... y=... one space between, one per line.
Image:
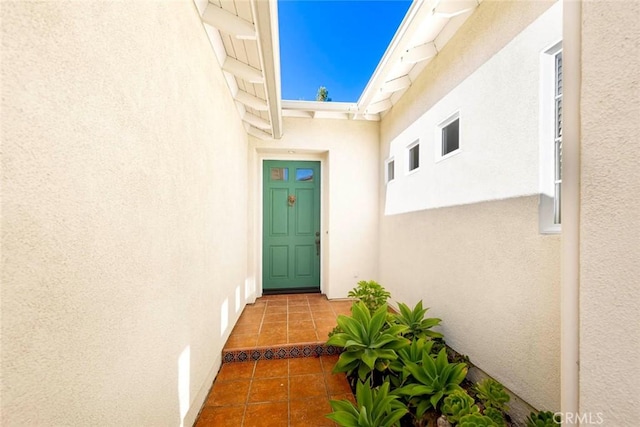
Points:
x=451 y=137
x=304 y=174
x=414 y=157
x=279 y=174
x=391 y=170
x=557 y=217
x=550 y=164
x=448 y=136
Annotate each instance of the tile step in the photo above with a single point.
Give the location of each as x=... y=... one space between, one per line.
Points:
x=279 y=351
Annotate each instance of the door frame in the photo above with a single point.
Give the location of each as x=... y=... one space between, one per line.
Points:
x=317 y=156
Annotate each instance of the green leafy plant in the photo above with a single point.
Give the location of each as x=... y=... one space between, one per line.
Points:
x=492 y=394
x=434 y=379
x=476 y=420
x=375 y=408
x=371 y=293
x=542 y=419
x=411 y=354
x=334 y=331
x=496 y=415
x=369 y=343
x=457 y=405
x=418 y=326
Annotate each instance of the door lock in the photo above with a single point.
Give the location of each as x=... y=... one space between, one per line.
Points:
x=318 y=243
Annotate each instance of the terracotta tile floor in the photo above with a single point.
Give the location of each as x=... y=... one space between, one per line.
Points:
x=279 y=392
x=286 y=319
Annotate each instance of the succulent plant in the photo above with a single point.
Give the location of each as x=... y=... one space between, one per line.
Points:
x=371 y=293
x=413 y=354
x=492 y=394
x=495 y=414
x=476 y=420
x=541 y=419
x=432 y=380
x=457 y=405
x=417 y=325
x=368 y=343
x=375 y=408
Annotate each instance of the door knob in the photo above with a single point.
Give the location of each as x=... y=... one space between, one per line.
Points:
x=318 y=243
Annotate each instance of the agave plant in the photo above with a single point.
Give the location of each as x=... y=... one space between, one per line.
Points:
x=417 y=325
x=542 y=419
x=492 y=394
x=476 y=420
x=375 y=408
x=411 y=354
x=434 y=379
x=369 y=343
x=457 y=405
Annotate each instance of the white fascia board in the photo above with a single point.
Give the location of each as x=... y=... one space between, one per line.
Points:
x=243 y=71
x=331 y=115
x=416 y=14
x=251 y=101
x=229 y=23
x=297 y=113
x=265 y=13
x=344 y=107
x=256 y=121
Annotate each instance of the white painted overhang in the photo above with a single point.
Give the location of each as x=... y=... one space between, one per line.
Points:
x=244 y=37
x=424 y=31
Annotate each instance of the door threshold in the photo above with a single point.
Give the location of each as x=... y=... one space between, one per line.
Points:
x=290 y=291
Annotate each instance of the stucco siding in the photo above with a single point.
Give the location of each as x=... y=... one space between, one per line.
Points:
x=499 y=119
x=485 y=270
x=124 y=178
x=464 y=237
x=609 y=206
x=349 y=152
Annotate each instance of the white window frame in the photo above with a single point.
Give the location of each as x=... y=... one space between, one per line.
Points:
x=386 y=170
x=408 y=157
x=549 y=162
x=439 y=140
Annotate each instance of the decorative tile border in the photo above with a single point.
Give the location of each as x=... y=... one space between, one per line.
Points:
x=284 y=351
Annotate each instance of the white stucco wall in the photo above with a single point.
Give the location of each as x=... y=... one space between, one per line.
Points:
x=349 y=154
x=610 y=202
x=479 y=261
x=124 y=179
x=499 y=131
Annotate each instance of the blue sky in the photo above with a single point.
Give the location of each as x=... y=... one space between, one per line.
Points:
x=332 y=43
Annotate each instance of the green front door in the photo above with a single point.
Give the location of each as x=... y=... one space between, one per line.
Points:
x=291 y=227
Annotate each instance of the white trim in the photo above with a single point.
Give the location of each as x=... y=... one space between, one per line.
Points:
x=438 y=137
x=546 y=223
x=408 y=157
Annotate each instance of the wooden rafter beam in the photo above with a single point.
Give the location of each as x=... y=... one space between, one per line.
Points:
x=251 y=101
x=420 y=53
x=396 y=84
x=256 y=121
x=229 y=23
x=243 y=71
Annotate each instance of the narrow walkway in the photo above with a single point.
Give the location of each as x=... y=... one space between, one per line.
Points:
x=275 y=372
